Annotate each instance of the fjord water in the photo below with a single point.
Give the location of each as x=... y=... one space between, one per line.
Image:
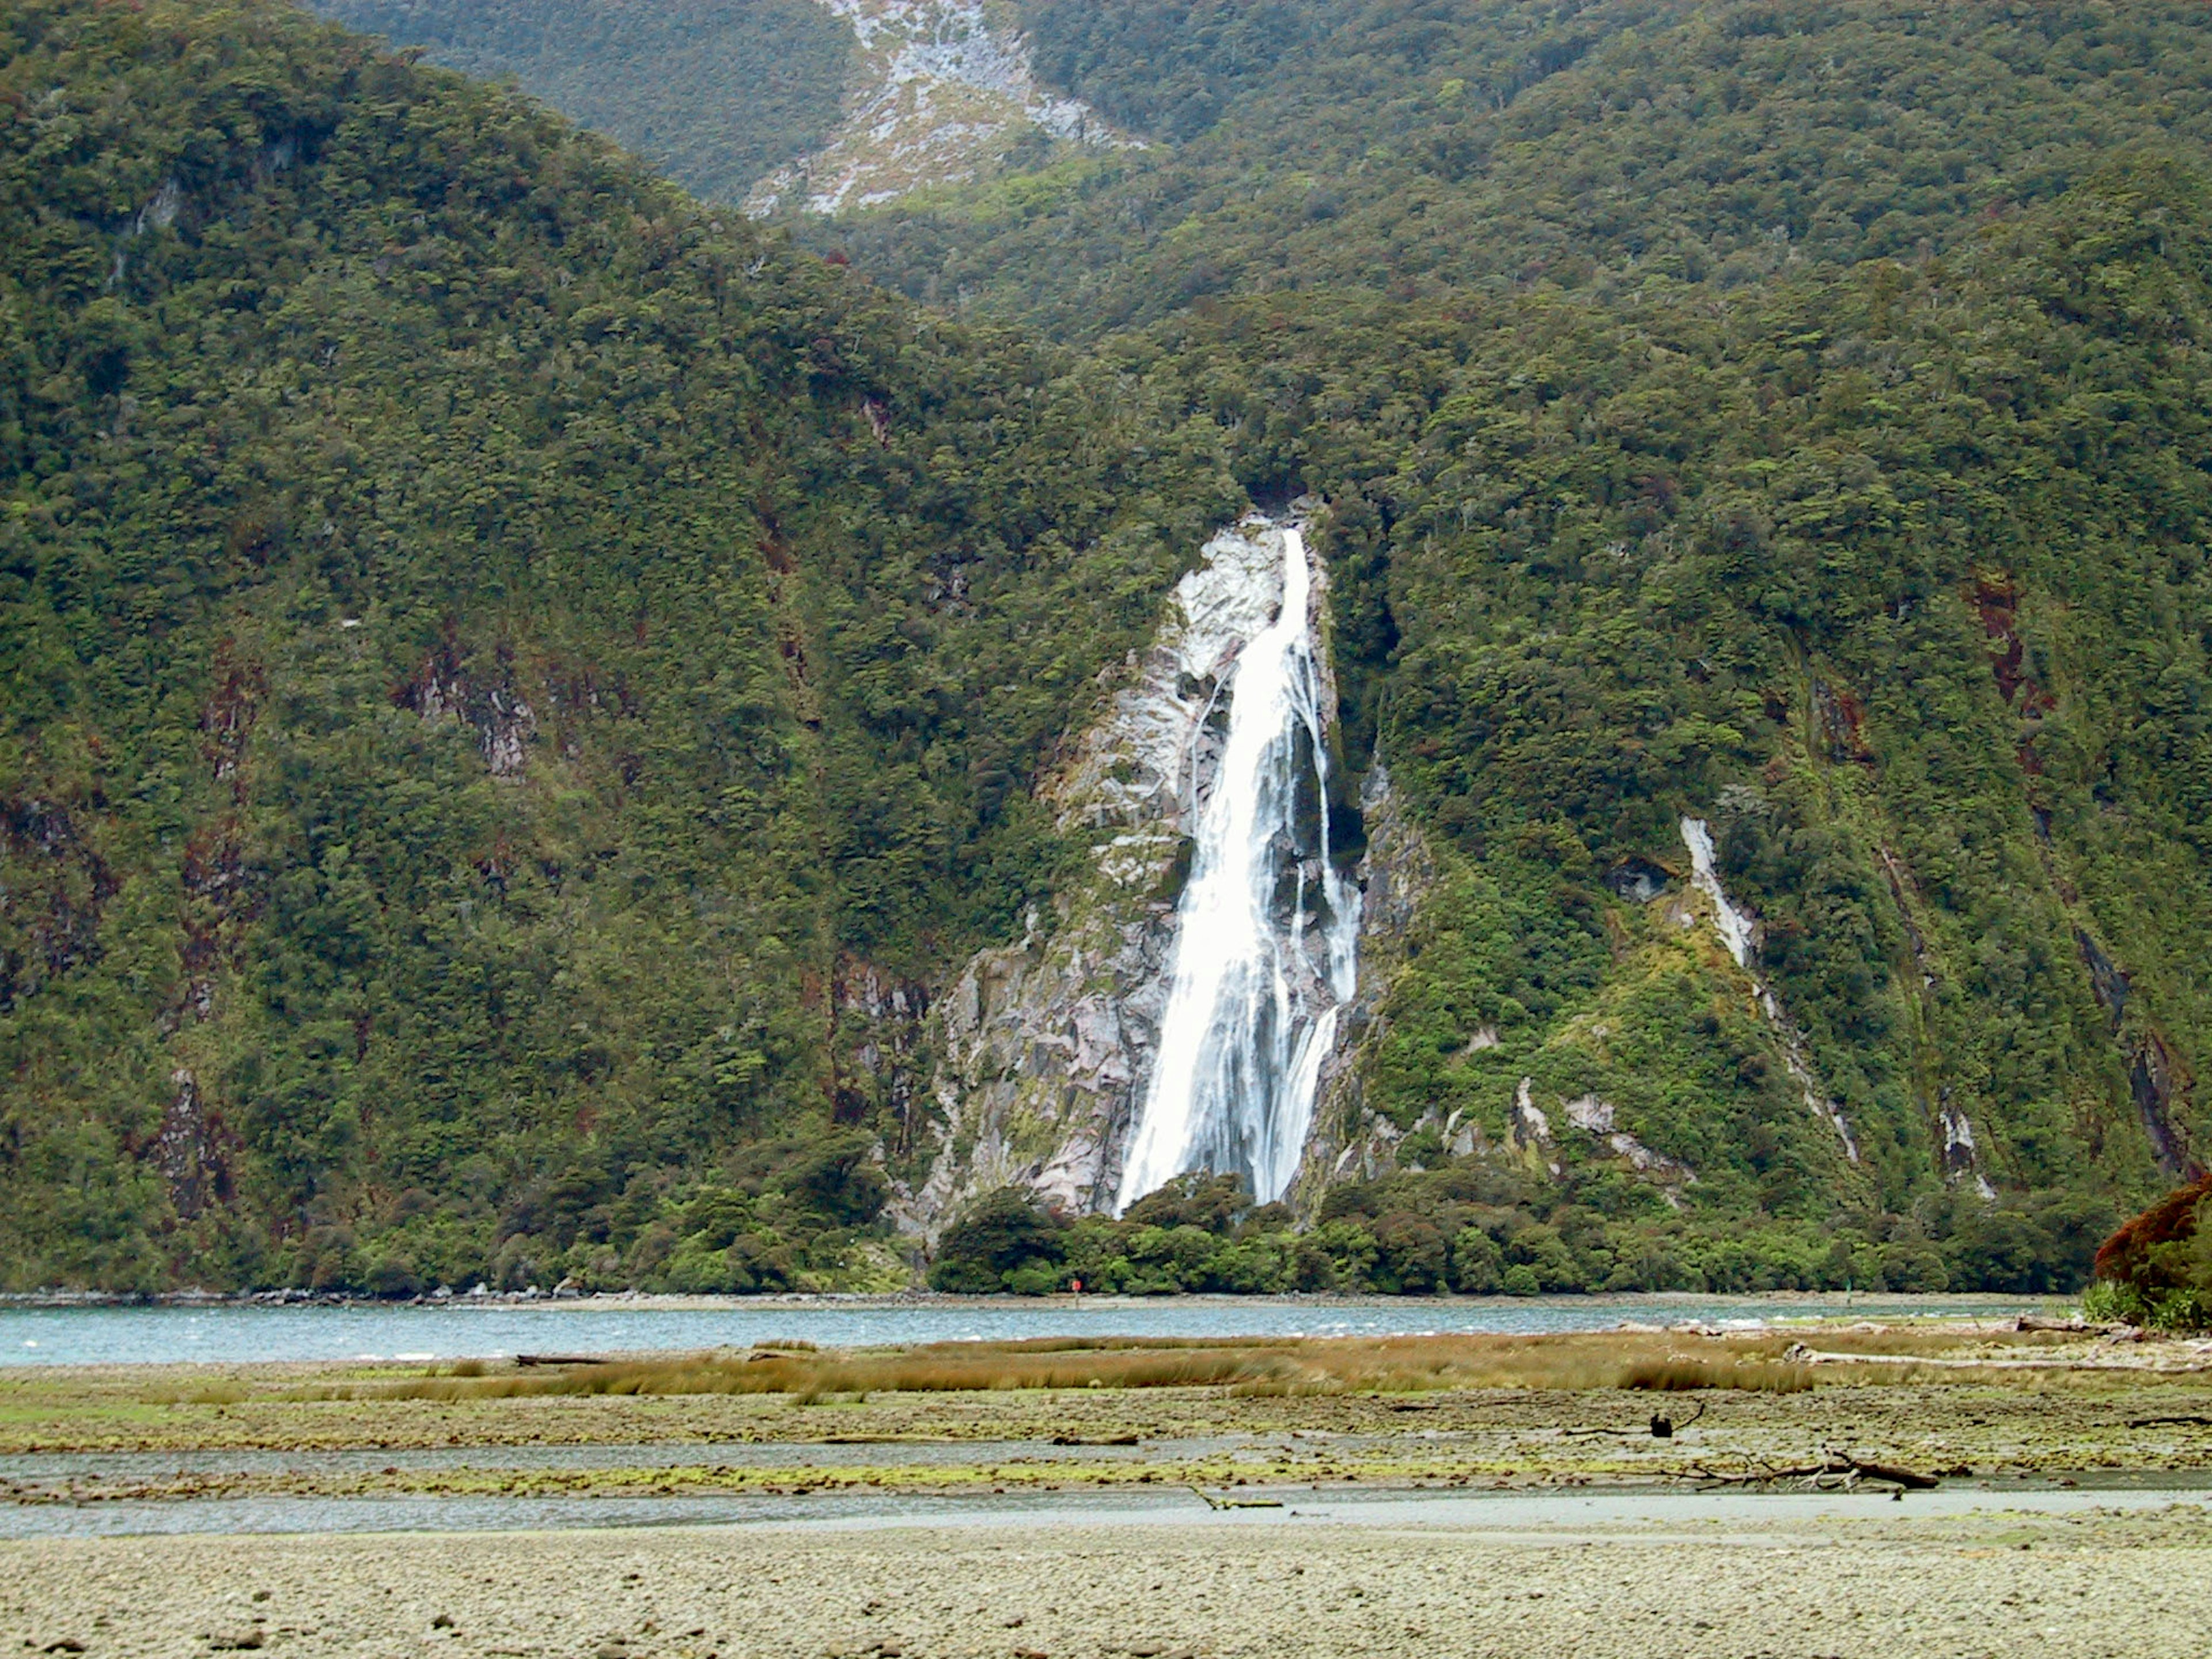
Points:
x=240 y=1333
x=1267 y=929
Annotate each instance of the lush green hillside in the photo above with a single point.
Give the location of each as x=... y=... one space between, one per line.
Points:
x=1408 y=147
x=1897 y=575
x=1789 y=416
x=497 y=664
x=714 y=93
x=517 y=690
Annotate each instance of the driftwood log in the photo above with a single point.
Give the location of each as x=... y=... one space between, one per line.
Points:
x=1213 y=1503
x=1659 y=1427
x=1835 y=1472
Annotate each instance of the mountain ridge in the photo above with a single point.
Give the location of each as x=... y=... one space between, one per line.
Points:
x=525 y=693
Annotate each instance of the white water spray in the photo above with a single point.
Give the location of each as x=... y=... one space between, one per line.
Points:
x=1736 y=934
x=1267 y=932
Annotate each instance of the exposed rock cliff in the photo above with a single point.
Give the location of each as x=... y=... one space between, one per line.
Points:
x=939 y=95
x=1046 y=1044
x=1349 y=1141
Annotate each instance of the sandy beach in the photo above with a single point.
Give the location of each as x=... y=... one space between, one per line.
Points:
x=2095 y=1584
x=1949 y=1490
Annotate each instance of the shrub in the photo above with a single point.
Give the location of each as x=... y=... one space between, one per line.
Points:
x=2157 y=1269
x=999 y=1235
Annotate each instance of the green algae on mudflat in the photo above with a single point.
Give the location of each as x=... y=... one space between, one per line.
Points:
x=1991 y=1421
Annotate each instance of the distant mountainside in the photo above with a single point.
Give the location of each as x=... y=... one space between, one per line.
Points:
x=812 y=105
x=1414 y=148
x=551 y=731
x=714 y=93
x=498 y=663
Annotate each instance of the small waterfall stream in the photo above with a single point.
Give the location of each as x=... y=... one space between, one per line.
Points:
x=1267 y=929
x=1739 y=938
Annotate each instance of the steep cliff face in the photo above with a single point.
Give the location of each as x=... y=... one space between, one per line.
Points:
x=1047 y=1045
x=940 y=93
x=1351 y=1140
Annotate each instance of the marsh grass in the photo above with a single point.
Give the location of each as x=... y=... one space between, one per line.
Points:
x=1681 y=1375
x=1278 y=1367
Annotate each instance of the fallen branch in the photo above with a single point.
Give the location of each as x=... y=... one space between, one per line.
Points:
x=1213 y=1503
x=1836 y=1472
x=2163 y=1422
x=1659 y=1428
x=562 y=1359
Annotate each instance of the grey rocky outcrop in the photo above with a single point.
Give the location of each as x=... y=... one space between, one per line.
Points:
x=1046 y=1045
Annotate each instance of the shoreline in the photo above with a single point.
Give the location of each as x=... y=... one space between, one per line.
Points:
x=1636 y=1494
x=634 y=1301
x=2091 y=1586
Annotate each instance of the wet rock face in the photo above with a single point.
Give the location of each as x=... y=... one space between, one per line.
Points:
x=443 y=688
x=942 y=89
x=1046 y=1044
x=1350 y=1141
x=193 y=1149
x=1638 y=881
x=2157 y=1080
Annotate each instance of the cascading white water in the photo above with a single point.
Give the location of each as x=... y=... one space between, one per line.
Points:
x=1267 y=932
x=1739 y=939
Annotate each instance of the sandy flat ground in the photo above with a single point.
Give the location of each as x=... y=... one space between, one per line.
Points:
x=2098 y=1583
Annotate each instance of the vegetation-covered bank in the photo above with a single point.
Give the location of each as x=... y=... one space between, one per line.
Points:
x=2157 y=1269
x=518 y=694
x=502 y=670
x=1789 y=418
x=1476 y=1229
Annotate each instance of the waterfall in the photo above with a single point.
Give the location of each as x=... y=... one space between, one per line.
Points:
x=1740 y=941
x=1267 y=929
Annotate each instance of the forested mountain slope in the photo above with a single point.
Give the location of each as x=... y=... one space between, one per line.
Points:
x=714 y=93
x=1413 y=146
x=1897 y=576
x=1894 y=575
x=523 y=695
x=497 y=664
x=1790 y=417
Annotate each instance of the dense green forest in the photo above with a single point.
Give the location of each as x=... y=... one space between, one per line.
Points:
x=712 y=93
x=1793 y=417
x=1421 y=147
x=497 y=662
x=510 y=676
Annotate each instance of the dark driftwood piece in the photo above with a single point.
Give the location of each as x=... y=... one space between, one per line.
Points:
x=1213 y=1503
x=1659 y=1428
x=1835 y=1472
x=562 y=1359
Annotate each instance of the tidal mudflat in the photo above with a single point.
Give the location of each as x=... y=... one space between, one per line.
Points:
x=1847 y=1488
x=1883 y=1585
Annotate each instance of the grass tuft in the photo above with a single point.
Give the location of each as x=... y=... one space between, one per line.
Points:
x=1276 y=1368
x=1681 y=1375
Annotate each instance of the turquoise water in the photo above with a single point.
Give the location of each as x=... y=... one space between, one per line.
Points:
x=230 y=1334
